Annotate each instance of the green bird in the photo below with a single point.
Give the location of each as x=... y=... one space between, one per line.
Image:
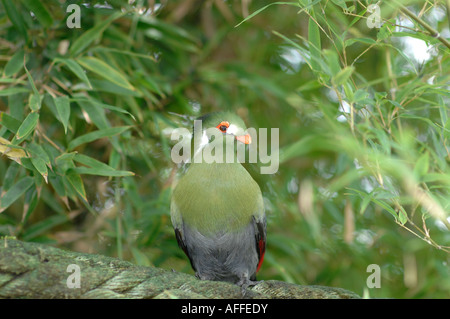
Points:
x=217 y=209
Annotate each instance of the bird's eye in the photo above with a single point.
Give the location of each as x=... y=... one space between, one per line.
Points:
x=223 y=126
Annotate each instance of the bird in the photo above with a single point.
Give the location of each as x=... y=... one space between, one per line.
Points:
x=217 y=209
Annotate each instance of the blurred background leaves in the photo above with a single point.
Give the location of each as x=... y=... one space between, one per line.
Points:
x=364 y=178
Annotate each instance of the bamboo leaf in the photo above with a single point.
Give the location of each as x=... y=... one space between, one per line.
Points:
x=41 y=167
x=422 y=166
x=333 y=62
x=37 y=98
x=15 y=192
x=76 y=69
x=15 y=64
x=92 y=136
x=27 y=126
x=40 y=11
x=30 y=203
x=57 y=184
x=34 y=101
x=13 y=152
x=315 y=43
x=97 y=168
x=343 y=75
x=366 y=201
x=9 y=122
x=350 y=41
x=91 y=162
x=104 y=70
x=101 y=172
x=76 y=182
x=103 y=105
x=95 y=112
x=402 y=215
x=62 y=105
x=340 y=3
x=36 y=150
x=64 y=162
x=12 y=91
x=93 y=34
x=386 y=207
x=15 y=17
x=10 y=176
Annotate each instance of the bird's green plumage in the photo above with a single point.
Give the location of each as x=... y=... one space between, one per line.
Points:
x=217 y=197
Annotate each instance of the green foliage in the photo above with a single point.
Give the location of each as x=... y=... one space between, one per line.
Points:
x=86 y=116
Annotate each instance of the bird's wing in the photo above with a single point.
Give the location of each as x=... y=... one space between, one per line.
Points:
x=178 y=225
x=259 y=222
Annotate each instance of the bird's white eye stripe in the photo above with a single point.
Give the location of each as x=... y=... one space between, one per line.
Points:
x=205 y=140
x=232 y=129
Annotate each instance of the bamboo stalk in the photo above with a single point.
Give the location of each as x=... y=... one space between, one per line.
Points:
x=434 y=33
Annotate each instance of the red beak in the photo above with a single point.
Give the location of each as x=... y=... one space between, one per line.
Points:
x=246 y=139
